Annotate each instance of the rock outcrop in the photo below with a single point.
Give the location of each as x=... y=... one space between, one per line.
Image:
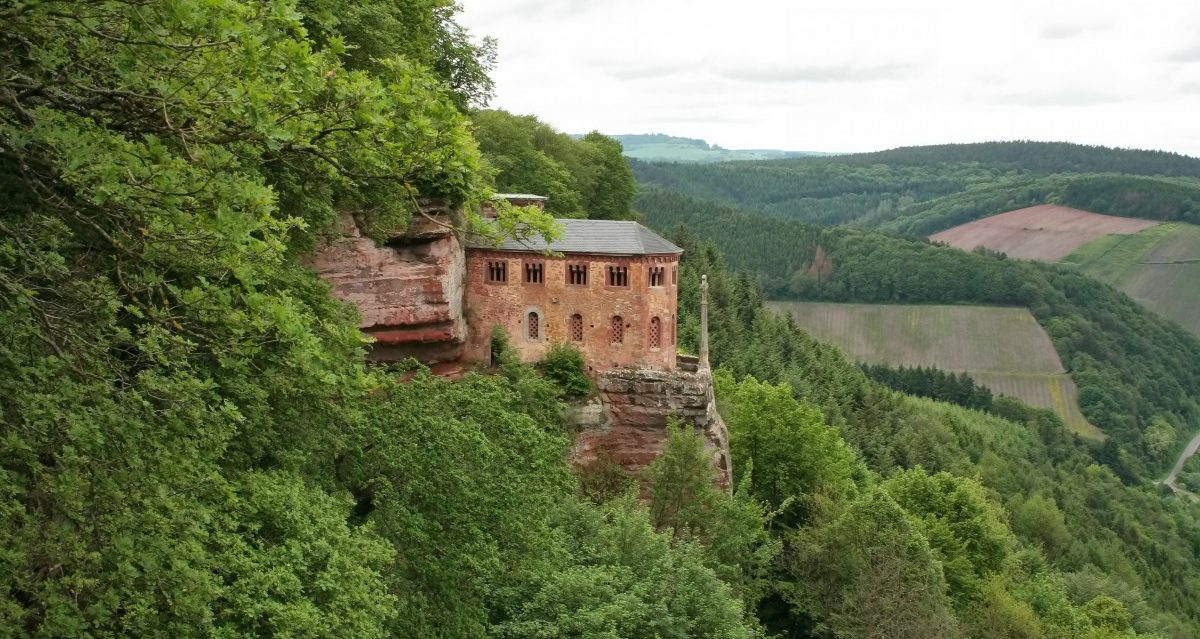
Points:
x=629 y=421
x=409 y=290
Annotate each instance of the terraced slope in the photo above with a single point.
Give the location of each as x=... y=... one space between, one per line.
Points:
x=1004 y=349
x=1159 y=267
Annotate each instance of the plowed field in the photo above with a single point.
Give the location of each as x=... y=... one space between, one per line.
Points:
x=1045 y=233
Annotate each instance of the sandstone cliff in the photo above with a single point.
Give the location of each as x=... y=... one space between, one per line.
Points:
x=629 y=421
x=409 y=291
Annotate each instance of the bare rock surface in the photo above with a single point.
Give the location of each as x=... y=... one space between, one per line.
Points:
x=409 y=290
x=637 y=404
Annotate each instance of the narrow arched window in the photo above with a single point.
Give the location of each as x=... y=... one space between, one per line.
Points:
x=618 y=330
x=577 y=328
x=535 y=327
x=655 y=333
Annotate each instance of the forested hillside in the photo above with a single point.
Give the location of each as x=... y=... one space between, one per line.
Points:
x=922 y=190
x=1080 y=532
x=1135 y=371
x=194 y=446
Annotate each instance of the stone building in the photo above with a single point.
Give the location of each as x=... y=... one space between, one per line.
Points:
x=609 y=288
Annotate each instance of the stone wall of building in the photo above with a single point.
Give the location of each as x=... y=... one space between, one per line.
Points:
x=629 y=421
x=554 y=301
x=409 y=291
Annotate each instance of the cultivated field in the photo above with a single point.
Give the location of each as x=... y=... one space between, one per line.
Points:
x=1159 y=267
x=1046 y=233
x=1004 y=349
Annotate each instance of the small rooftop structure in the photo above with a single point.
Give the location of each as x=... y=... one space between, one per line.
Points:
x=515 y=199
x=521 y=196
x=594 y=237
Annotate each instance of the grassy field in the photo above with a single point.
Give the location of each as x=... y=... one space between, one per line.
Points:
x=1159 y=267
x=1002 y=348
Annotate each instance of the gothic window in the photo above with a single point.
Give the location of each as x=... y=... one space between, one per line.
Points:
x=674 y=275
x=577 y=274
x=497 y=271
x=534 y=272
x=535 y=329
x=655 y=332
x=618 y=276
x=617 y=331
x=577 y=328
x=658 y=275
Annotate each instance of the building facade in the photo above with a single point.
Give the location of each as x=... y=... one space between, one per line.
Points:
x=608 y=288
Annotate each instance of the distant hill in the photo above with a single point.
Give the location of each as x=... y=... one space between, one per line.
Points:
x=1130 y=365
x=923 y=190
x=658 y=147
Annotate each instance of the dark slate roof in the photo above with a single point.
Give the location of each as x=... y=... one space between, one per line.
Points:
x=606 y=237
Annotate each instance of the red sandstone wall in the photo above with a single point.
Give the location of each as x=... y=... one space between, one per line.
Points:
x=409 y=291
x=507 y=304
x=629 y=425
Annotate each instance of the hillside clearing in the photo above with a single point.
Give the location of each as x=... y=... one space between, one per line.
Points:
x=1046 y=233
x=1004 y=349
x=1159 y=267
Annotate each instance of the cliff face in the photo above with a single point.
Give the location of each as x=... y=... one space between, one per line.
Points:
x=629 y=423
x=409 y=291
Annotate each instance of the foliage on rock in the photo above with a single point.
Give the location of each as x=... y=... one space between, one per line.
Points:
x=564 y=365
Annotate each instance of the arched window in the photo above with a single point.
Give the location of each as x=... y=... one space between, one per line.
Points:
x=618 y=330
x=535 y=327
x=655 y=333
x=577 y=328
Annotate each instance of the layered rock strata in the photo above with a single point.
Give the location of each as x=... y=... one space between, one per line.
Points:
x=409 y=291
x=628 y=423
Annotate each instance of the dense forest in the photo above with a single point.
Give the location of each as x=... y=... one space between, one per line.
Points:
x=194 y=446
x=1080 y=532
x=934 y=383
x=1134 y=370
x=922 y=190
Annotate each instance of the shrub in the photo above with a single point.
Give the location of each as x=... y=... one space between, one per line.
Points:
x=564 y=366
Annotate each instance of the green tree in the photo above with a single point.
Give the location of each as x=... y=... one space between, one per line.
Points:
x=421 y=31
x=783 y=445
x=685 y=500
x=582 y=178
x=627 y=581
x=869 y=572
x=176 y=386
x=963 y=526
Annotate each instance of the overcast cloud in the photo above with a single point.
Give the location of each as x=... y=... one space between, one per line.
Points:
x=853 y=75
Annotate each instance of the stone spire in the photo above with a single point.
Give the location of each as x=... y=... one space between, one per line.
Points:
x=704 y=321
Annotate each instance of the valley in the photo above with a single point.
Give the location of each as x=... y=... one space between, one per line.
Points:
x=1003 y=349
x=280 y=358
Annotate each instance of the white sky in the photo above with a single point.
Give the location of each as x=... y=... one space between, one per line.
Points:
x=853 y=75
